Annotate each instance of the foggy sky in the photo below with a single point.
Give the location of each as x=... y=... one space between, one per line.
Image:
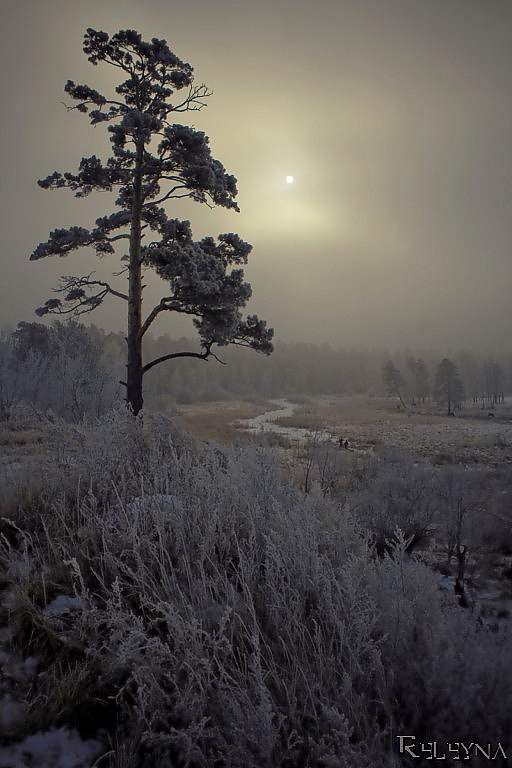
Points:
x=394 y=117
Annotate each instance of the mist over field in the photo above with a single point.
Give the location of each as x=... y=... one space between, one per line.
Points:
x=256 y=470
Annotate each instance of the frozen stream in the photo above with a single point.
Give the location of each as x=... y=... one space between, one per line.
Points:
x=265 y=422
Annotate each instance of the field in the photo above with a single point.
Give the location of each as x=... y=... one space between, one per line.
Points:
x=470 y=442
x=469 y=437
x=172 y=591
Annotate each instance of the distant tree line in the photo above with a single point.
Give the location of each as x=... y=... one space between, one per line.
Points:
x=483 y=381
x=72 y=371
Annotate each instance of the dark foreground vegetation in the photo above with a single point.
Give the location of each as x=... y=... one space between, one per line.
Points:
x=183 y=604
x=166 y=601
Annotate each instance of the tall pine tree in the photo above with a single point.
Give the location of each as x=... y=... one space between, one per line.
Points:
x=154 y=161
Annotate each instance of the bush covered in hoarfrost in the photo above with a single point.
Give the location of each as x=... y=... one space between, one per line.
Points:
x=60 y=371
x=447 y=681
x=223 y=619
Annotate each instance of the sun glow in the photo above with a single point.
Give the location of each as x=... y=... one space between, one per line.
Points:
x=289 y=179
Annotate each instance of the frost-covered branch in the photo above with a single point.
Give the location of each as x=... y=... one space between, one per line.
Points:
x=76 y=301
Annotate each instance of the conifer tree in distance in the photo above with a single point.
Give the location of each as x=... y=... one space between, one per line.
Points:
x=448 y=388
x=154 y=161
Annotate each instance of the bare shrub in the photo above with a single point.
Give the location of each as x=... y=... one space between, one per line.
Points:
x=398 y=493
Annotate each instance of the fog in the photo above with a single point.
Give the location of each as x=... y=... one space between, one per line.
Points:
x=393 y=117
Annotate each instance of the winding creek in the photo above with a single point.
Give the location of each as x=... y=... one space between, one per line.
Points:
x=265 y=422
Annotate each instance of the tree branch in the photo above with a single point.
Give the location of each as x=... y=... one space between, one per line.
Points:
x=198 y=355
x=81 y=281
x=117 y=237
x=76 y=301
x=167 y=303
x=170 y=195
x=194 y=94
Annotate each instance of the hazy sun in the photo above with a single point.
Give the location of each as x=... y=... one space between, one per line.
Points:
x=289 y=179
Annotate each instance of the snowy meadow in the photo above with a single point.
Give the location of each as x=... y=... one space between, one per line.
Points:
x=167 y=601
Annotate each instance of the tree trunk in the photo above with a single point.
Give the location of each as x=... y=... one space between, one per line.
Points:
x=460 y=551
x=134 y=372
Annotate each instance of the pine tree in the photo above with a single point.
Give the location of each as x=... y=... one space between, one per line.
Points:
x=393 y=380
x=154 y=160
x=448 y=388
x=419 y=370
